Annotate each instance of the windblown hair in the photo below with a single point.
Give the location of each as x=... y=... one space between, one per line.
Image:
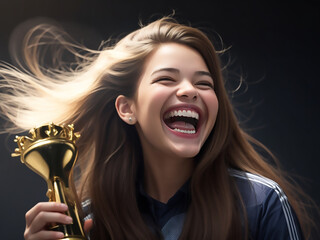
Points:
x=84 y=93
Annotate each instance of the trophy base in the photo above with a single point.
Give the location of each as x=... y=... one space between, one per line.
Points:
x=74 y=238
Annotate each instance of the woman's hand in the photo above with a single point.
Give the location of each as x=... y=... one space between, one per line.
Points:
x=41 y=216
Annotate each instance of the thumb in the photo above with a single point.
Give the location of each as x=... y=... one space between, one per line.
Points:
x=87 y=225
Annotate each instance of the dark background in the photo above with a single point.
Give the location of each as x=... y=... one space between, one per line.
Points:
x=275 y=47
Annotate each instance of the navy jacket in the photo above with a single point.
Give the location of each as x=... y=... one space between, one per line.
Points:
x=270 y=216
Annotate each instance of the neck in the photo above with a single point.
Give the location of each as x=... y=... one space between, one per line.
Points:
x=164 y=176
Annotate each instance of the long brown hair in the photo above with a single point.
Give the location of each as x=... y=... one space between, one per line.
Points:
x=110 y=150
x=214 y=212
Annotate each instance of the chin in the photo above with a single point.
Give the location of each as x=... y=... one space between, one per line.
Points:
x=187 y=153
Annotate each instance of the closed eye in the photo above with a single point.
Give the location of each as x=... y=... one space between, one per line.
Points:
x=205 y=84
x=164 y=80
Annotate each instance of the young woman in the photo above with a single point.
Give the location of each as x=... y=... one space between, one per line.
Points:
x=161 y=154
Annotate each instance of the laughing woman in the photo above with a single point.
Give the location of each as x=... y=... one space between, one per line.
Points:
x=162 y=155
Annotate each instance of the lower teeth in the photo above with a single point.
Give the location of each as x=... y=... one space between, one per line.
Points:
x=185 y=131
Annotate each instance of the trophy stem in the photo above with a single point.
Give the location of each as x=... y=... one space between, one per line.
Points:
x=59 y=193
x=74 y=231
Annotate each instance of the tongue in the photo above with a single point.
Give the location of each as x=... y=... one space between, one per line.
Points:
x=181 y=125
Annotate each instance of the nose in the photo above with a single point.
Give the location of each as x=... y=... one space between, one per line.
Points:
x=187 y=91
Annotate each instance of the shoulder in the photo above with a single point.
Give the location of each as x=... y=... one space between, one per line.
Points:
x=269 y=213
x=255 y=189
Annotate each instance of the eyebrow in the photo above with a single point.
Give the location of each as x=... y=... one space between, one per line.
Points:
x=174 y=70
x=200 y=73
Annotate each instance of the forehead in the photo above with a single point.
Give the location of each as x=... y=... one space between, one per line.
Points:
x=174 y=55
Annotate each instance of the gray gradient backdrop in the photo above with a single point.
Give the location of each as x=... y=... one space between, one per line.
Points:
x=275 y=46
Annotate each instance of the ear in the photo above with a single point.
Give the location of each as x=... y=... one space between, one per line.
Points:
x=124 y=108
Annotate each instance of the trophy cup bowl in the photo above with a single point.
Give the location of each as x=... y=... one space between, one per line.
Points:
x=50 y=151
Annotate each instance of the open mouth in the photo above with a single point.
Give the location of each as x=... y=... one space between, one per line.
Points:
x=184 y=121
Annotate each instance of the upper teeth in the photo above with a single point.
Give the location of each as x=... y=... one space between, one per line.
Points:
x=183 y=113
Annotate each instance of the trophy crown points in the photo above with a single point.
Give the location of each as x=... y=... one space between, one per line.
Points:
x=48 y=131
x=52 y=131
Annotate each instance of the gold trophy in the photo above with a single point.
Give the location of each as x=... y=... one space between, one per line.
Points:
x=50 y=151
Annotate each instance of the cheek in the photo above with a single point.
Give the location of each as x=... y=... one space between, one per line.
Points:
x=211 y=101
x=152 y=99
x=149 y=105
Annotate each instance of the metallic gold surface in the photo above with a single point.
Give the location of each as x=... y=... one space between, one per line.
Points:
x=50 y=151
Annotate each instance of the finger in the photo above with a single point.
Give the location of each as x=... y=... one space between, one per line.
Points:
x=88 y=225
x=45 y=235
x=44 y=218
x=46 y=207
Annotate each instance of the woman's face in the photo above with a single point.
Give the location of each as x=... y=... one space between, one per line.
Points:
x=175 y=105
